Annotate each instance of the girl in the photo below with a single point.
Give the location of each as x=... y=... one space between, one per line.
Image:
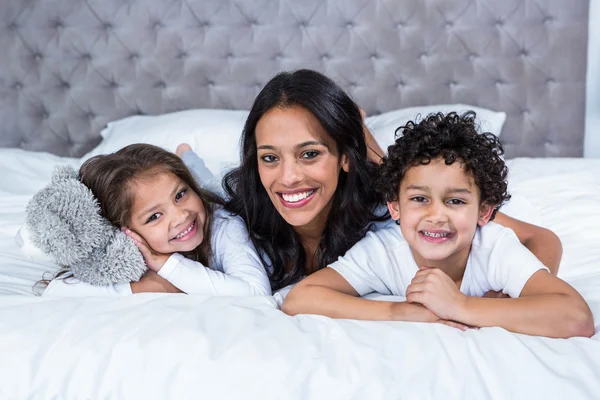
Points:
x=179 y=228
x=305 y=184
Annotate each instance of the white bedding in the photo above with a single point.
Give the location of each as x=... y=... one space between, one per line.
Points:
x=179 y=346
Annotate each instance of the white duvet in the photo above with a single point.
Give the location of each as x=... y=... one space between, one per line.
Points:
x=156 y=346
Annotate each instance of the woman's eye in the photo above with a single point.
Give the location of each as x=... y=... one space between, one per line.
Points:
x=153 y=217
x=268 y=158
x=310 y=154
x=418 y=199
x=456 y=202
x=180 y=194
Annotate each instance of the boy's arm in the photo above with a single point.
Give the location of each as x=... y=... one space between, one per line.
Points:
x=548 y=306
x=326 y=292
x=543 y=243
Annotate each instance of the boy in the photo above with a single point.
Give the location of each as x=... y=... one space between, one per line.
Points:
x=443 y=183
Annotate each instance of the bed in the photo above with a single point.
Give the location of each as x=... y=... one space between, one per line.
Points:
x=73 y=66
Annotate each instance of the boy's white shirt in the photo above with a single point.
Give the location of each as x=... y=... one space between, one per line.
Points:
x=235 y=268
x=382 y=262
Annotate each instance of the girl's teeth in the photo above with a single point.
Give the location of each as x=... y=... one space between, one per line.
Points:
x=182 y=234
x=296 y=197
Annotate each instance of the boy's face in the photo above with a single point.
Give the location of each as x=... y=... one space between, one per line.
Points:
x=439 y=209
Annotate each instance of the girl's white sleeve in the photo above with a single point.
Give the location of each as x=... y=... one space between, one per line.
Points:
x=72 y=287
x=237 y=267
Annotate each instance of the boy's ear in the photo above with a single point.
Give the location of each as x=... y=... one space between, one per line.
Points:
x=345 y=163
x=485 y=213
x=394 y=207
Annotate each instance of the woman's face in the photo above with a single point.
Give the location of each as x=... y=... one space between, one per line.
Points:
x=298 y=164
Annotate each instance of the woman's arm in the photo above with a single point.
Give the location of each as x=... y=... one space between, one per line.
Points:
x=374 y=151
x=326 y=292
x=543 y=243
x=547 y=306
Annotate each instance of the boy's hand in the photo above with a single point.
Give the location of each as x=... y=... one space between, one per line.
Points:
x=153 y=260
x=496 y=295
x=423 y=314
x=436 y=291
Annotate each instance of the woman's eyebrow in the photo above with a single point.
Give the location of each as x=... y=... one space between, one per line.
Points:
x=298 y=146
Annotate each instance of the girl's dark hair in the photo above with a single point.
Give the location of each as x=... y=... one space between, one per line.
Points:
x=355 y=205
x=111 y=177
x=454 y=138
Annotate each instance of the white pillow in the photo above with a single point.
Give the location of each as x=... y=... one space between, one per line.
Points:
x=213 y=134
x=383 y=126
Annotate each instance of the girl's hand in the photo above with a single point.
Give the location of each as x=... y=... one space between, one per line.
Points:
x=153 y=260
x=435 y=290
x=152 y=282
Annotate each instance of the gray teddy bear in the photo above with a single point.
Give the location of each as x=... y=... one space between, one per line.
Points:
x=65 y=222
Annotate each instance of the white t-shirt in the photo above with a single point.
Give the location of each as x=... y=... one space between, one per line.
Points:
x=234 y=269
x=382 y=262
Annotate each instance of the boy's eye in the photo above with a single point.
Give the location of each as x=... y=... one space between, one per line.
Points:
x=180 y=194
x=456 y=202
x=418 y=199
x=310 y=154
x=268 y=158
x=153 y=217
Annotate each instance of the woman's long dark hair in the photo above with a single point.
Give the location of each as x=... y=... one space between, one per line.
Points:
x=355 y=204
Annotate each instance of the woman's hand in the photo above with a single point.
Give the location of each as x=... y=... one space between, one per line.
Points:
x=153 y=260
x=434 y=289
x=152 y=282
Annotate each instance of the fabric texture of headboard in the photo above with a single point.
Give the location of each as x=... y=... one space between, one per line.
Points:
x=70 y=66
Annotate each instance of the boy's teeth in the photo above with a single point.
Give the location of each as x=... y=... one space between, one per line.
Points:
x=435 y=235
x=296 y=197
x=182 y=234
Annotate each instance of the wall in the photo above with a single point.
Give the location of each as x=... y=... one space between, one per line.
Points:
x=592 y=123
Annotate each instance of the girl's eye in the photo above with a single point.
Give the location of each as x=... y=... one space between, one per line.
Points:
x=180 y=194
x=268 y=158
x=418 y=199
x=153 y=217
x=456 y=202
x=310 y=154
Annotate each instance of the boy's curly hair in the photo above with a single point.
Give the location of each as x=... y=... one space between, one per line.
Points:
x=455 y=138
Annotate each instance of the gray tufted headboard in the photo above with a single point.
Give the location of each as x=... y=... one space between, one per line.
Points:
x=67 y=67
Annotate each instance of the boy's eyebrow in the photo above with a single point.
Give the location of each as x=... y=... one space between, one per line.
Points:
x=298 y=146
x=417 y=187
x=458 y=190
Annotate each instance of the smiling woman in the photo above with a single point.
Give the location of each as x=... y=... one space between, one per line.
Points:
x=305 y=183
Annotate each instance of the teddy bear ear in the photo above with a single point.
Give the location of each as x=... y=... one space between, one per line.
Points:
x=64 y=219
x=119 y=262
x=64 y=172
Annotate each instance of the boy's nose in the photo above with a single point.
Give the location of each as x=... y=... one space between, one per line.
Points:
x=437 y=214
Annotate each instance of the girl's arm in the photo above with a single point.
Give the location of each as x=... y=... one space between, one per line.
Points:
x=547 y=306
x=73 y=287
x=238 y=268
x=543 y=243
x=326 y=292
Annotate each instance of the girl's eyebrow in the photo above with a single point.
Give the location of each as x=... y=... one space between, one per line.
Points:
x=154 y=207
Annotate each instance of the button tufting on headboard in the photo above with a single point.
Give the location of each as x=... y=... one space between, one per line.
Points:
x=70 y=66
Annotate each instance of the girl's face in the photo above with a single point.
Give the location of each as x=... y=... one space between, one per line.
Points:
x=298 y=164
x=167 y=213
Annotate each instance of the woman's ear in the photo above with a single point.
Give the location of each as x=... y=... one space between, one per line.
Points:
x=485 y=213
x=345 y=163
